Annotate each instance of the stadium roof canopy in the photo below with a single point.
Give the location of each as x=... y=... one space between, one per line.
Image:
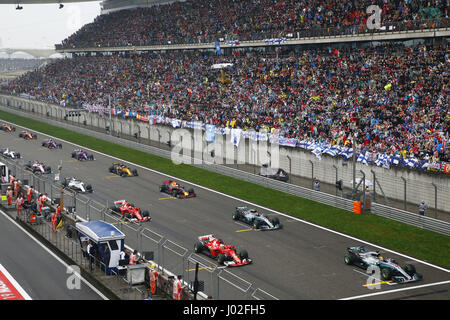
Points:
x=21 y=2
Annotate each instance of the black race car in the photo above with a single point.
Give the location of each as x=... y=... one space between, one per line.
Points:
x=174 y=189
x=82 y=155
x=274 y=173
x=256 y=219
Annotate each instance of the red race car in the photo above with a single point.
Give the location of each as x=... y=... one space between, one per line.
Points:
x=130 y=212
x=6 y=127
x=175 y=190
x=27 y=135
x=225 y=254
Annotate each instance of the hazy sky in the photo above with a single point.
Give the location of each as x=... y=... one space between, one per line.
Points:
x=41 y=26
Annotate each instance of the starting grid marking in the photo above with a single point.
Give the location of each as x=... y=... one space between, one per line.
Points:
x=9 y=288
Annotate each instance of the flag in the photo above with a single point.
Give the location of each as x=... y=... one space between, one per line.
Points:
x=235 y=137
x=210 y=133
x=363 y=159
x=318 y=153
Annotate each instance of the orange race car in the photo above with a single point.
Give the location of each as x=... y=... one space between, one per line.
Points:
x=6 y=127
x=27 y=135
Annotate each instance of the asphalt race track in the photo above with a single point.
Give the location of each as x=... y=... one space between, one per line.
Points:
x=300 y=261
x=41 y=275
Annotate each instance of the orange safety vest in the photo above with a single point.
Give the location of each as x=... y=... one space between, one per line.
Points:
x=16 y=189
x=58 y=210
x=54 y=221
x=19 y=203
x=29 y=192
x=133 y=259
x=9 y=194
x=153 y=278
x=177 y=287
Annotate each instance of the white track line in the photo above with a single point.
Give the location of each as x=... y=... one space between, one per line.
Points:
x=54 y=255
x=396 y=290
x=244 y=201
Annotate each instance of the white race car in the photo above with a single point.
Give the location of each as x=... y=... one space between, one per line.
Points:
x=76 y=185
x=7 y=153
x=37 y=167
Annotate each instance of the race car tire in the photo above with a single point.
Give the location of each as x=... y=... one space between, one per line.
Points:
x=410 y=269
x=21 y=135
x=386 y=274
x=134 y=172
x=275 y=221
x=17 y=156
x=235 y=216
x=256 y=224
x=111 y=169
x=191 y=191
x=221 y=258
x=132 y=204
x=243 y=254
x=198 y=247
x=349 y=258
x=91 y=157
x=74 y=154
x=146 y=214
x=128 y=215
x=88 y=188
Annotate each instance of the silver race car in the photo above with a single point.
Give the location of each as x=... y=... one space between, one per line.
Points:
x=76 y=185
x=256 y=219
x=389 y=268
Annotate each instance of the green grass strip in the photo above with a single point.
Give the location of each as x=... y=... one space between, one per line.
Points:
x=422 y=244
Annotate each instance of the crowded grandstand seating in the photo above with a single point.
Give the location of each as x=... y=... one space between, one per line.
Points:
x=390 y=98
x=207 y=21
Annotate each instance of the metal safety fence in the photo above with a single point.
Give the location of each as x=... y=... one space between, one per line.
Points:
x=172 y=258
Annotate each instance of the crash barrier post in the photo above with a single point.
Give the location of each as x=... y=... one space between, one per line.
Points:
x=357 y=207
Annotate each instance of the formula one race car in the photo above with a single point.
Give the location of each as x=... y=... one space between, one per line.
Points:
x=51 y=144
x=9 y=153
x=76 y=185
x=274 y=173
x=6 y=127
x=27 y=135
x=122 y=170
x=175 y=190
x=389 y=269
x=129 y=211
x=82 y=155
x=37 y=167
x=255 y=219
x=225 y=254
